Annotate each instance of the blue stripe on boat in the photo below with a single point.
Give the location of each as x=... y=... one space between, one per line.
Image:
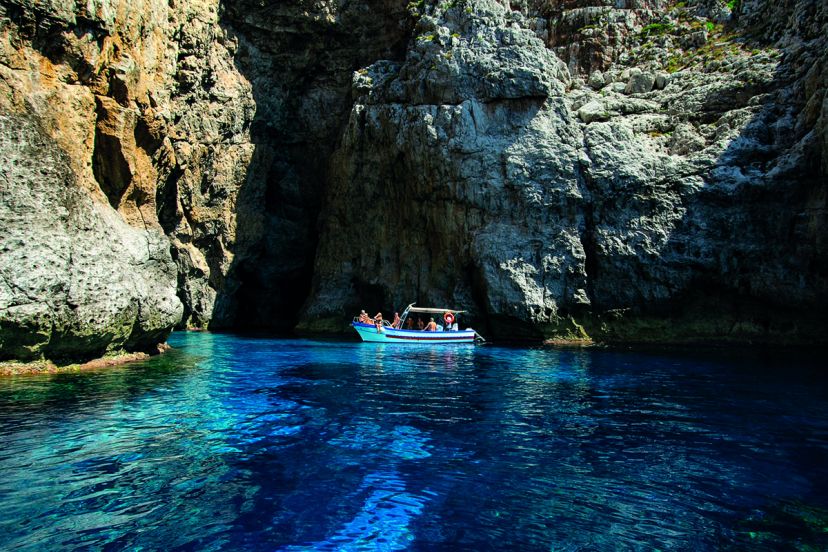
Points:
x=368 y=332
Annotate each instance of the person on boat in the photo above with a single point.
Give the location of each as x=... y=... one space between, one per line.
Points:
x=378 y=321
x=431 y=326
x=397 y=322
x=419 y=323
x=364 y=318
x=409 y=323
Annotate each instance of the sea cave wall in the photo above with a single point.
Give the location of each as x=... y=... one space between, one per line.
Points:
x=144 y=120
x=619 y=171
x=653 y=172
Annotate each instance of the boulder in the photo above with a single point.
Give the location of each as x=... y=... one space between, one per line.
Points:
x=640 y=82
x=594 y=111
x=596 y=80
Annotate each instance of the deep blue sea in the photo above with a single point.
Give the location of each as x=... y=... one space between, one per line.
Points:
x=238 y=443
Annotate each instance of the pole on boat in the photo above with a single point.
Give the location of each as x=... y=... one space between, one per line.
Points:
x=405 y=315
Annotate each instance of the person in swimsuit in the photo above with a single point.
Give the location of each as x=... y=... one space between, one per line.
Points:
x=378 y=321
x=396 y=324
x=431 y=326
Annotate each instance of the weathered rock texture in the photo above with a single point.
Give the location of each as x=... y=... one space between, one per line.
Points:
x=210 y=121
x=651 y=185
x=299 y=57
x=150 y=113
x=644 y=170
x=75 y=280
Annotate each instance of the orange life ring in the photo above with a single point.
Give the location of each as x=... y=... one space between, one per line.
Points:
x=449 y=318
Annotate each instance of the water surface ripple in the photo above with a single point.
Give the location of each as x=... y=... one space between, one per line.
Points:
x=239 y=443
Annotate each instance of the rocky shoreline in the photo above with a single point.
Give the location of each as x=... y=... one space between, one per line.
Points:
x=17 y=368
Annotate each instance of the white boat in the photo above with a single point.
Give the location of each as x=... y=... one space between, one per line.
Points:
x=388 y=334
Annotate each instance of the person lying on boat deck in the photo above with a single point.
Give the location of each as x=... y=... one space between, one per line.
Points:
x=409 y=323
x=364 y=318
x=431 y=326
x=378 y=321
x=419 y=323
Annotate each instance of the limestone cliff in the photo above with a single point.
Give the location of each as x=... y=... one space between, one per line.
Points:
x=144 y=115
x=299 y=58
x=203 y=120
x=625 y=170
x=75 y=280
x=649 y=172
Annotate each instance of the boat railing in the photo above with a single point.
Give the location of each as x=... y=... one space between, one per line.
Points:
x=385 y=322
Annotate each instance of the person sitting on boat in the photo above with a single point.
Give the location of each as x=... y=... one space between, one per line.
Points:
x=364 y=318
x=409 y=323
x=431 y=326
x=397 y=322
x=378 y=321
x=419 y=323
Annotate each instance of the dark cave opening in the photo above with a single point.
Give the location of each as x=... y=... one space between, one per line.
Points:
x=301 y=85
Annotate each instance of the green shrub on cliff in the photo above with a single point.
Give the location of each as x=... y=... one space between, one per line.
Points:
x=415 y=8
x=656 y=29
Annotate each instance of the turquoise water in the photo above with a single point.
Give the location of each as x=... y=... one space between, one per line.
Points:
x=230 y=442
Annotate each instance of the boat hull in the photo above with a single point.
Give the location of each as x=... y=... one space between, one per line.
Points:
x=368 y=332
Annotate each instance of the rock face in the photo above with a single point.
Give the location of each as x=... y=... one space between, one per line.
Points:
x=205 y=120
x=645 y=170
x=463 y=164
x=299 y=58
x=76 y=281
x=145 y=99
x=683 y=206
x=145 y=133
